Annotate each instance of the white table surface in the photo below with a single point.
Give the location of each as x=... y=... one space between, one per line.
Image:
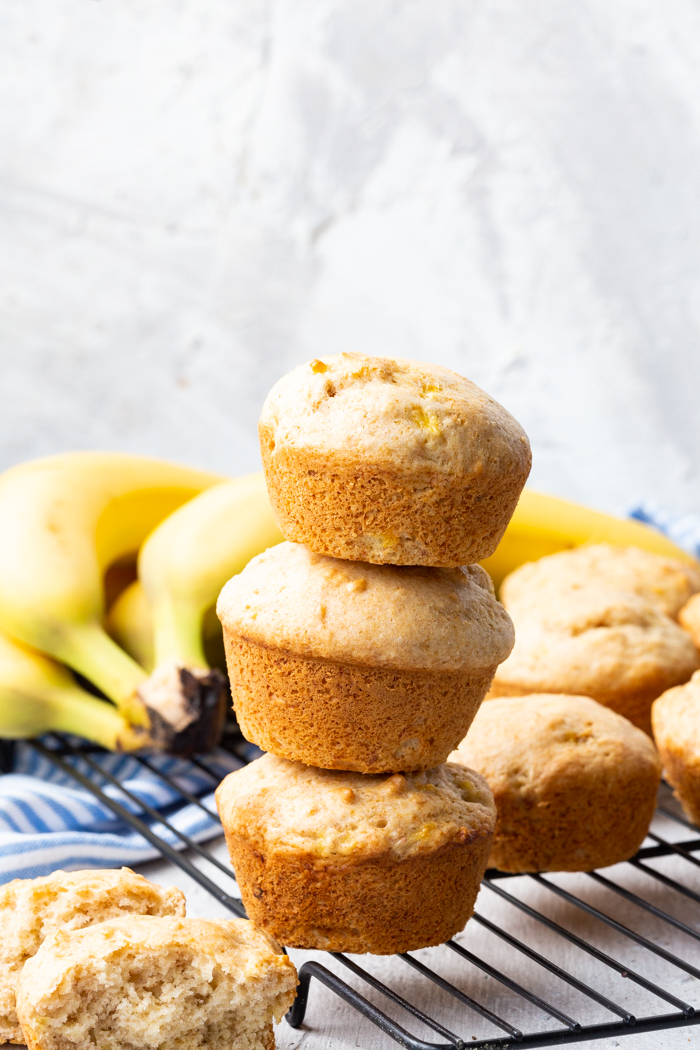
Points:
x=196 y=195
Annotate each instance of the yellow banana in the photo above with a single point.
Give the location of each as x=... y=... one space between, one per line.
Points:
x=185 y=562
x=37 y=695
x=545 y=524
x=63 y=521
x=182 y=566
x=130 y=622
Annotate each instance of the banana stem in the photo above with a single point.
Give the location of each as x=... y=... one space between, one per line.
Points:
x=66 y=709
x=87 y=648
x=177 y=635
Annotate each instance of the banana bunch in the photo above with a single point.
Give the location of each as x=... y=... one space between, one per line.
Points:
x=164 y=617
x=185 y=562
x=169 y=613
x=38 y=695
x=129 y=622
x=544 y=525
x=64 y=521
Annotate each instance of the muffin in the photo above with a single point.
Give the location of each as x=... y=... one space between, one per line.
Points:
x=31 y=909
x=156 y=982
x=574 y=783
x=675 y=719
x=593 y=622
x=689 y=617
x=346 y=665
x=665 y=582
x=390 y=461
x=351 y=863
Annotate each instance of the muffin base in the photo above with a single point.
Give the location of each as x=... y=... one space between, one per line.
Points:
x=342 y=716
x=380 y=906
x=600 y=828
x=364 y=513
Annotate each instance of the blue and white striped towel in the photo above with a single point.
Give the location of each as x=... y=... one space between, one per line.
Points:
x=683 y=529
x=47 y=821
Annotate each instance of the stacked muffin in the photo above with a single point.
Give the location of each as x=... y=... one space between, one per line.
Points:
x=360 y=650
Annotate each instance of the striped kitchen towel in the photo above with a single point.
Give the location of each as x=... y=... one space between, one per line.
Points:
x=47 y=821
x=683 y=529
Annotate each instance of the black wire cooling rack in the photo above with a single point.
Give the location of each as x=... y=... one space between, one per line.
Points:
x=556 y=912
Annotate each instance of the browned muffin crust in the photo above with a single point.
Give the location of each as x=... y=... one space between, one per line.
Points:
x=574 y=783
x=340 y=716
x=390 y=461
x=345 y=862
x=345 y=665
x=675 y=718
x=378 y=907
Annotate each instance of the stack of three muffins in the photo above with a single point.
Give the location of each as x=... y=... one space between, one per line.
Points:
x=360 y=650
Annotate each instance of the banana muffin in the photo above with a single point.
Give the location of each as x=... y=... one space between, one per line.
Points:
x=346 y=665
x=144 y=983
x=666 y=582
x=597 y=622
x=689 y=617
x=390 y=461
x=31 y=909
x=351 y=863
x=574 y=783
x=675 y=719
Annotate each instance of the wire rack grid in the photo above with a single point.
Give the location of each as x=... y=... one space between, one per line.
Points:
x=515 y=977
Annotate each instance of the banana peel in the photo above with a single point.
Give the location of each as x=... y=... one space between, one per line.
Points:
x=63 y=521
x=186 y=561
x=129 y=622
x=182 y=567
x=38 y=695
x=543 y=525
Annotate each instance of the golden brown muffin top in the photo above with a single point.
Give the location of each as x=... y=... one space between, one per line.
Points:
x=597 y=641
x=666 y=582
x=338 y=817
x=402 y=414
x=401 y=617
x=675 y=718
x=597 y=621
x=234 y=946
x=527 y=744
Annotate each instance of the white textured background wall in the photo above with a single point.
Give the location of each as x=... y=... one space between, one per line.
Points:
x=198 y=194
x=195 y=195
